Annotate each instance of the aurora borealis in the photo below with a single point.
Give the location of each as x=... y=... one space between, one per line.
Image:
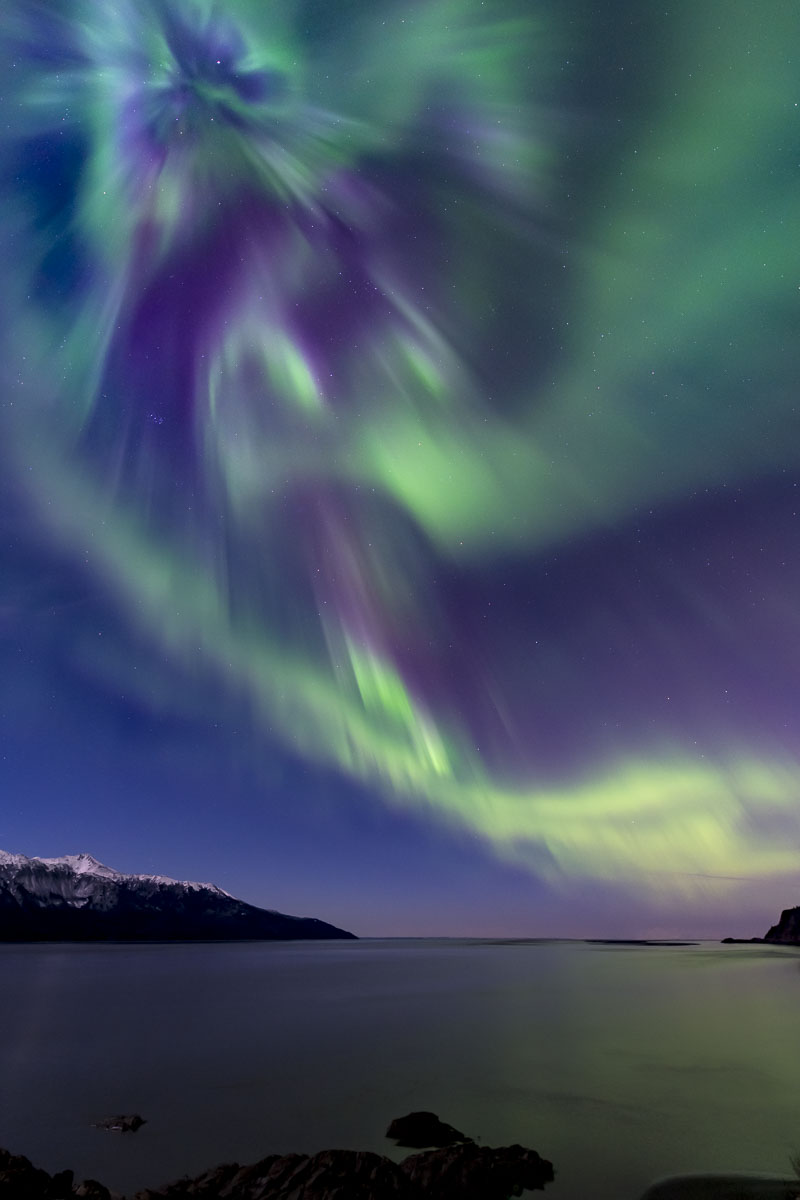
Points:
x=399 y=427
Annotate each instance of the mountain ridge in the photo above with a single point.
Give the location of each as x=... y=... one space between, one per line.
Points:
x=77 y=898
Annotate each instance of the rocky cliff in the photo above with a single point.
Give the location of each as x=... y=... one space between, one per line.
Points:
x=788 y=928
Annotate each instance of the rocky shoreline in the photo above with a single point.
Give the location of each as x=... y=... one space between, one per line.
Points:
x=457 y=1169
x=785 y=933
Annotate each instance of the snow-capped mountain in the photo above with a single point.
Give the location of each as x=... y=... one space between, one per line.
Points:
x=75 y=897
x=85 y=864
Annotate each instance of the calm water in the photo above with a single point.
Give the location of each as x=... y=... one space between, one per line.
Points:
x=618 y=1063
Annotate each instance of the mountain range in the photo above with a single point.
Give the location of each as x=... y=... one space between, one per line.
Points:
x=77 y=898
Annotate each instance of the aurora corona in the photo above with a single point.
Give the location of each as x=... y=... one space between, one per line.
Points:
x=293 y=346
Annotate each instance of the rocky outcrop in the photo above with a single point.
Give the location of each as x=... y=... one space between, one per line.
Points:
x=76 y=898
x=329 y=1175
x=787 y=931
x=90 y=1189
x=20 y=1180
x=123 y=1124
x=470 y=1172
x=458 y=1172
x=421 y=1129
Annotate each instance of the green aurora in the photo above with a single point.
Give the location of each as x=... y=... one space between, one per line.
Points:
x=321 y=312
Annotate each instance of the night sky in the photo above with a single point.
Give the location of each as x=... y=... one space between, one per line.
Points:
x=400 y=455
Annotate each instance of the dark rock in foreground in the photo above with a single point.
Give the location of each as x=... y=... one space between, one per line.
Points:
x=421 y=1129
x=78 y=899
x=90 y=1189
x=470 y=1172
x=329 y=1175
x=458 y=1172
x=20 y=1180
x=787 y=931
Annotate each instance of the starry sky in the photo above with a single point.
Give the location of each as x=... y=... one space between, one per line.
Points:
x=400 y=456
